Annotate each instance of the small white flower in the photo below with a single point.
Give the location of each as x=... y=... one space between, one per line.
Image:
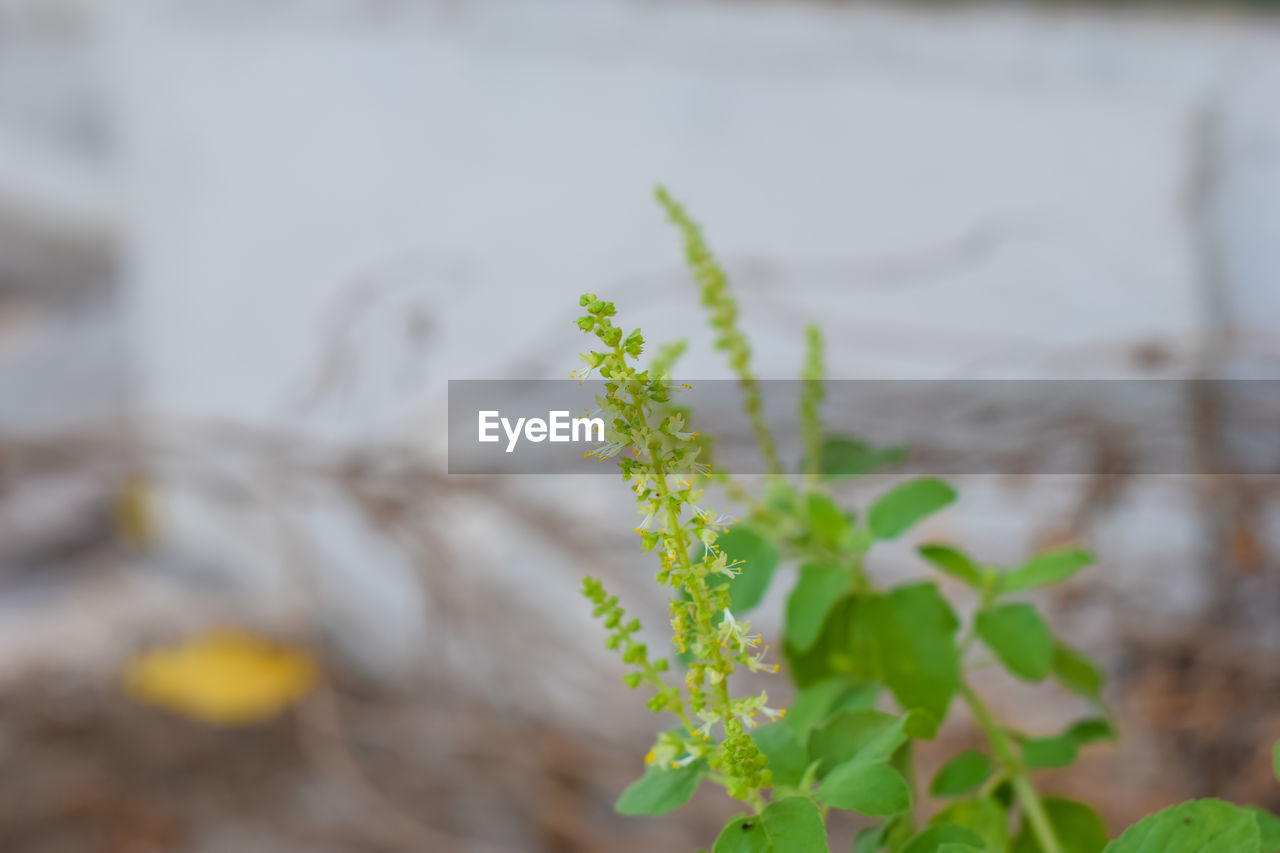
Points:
x=732 y=633
x=731 y=569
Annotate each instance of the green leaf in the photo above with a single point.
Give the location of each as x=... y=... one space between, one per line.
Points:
x=1077 y=672
x=1268 y=828
x=792 y=825
x=1092 y=729
x=818 y=590
x=1048 y=568
x=872 y=789
x=1060 y=750
x=983 y=815
x=759 y=560
x=953 y=562
x=661 y=790
x=858 y=696
x=1076 y=825
x=828 y=523
x=1045 y=752
x=1019 y=638
x=865 y=735
x=896 y=512
x=1002 y=793
x=950 y=847
x=812 y=667
x=815 y=704
x=787 y=757
x=961 y=774
x=812 y=704
x=910 y=634
x=780 y=496
x=892 y=835
x=841 y=649
x=936 y=839
x=900 y=830
x=833 y=655
x=870 y=840
x=1197 y=826
x=847 y=457
x=1275 y=760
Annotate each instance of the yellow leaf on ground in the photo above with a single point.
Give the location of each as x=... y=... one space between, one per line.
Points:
x=224 y=677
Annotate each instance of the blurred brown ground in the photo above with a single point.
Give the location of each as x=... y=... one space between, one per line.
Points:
x=364 y=769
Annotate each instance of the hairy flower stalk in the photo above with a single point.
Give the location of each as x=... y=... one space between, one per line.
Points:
x=723 y=314
x=658 y=457
x=667 y=356
x=811 y=396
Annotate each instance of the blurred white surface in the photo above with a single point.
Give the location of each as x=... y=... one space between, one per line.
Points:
x=324 y=211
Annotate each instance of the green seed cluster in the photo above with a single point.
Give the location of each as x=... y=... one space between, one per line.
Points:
x=622 y=636
x=749 y=767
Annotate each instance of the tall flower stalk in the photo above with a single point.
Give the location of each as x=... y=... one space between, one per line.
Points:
x=657 y=458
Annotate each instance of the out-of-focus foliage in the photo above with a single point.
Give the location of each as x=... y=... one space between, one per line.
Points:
x=847 y=641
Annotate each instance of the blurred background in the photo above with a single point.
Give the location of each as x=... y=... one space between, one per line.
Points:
x=244 y=245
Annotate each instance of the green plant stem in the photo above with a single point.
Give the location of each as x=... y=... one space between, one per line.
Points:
x=1039 y=818
x=858 y=570
x=810 y=401
x=1017 y=772
x=751 y=402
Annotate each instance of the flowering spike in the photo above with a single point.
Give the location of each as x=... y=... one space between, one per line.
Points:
x=659 y=455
